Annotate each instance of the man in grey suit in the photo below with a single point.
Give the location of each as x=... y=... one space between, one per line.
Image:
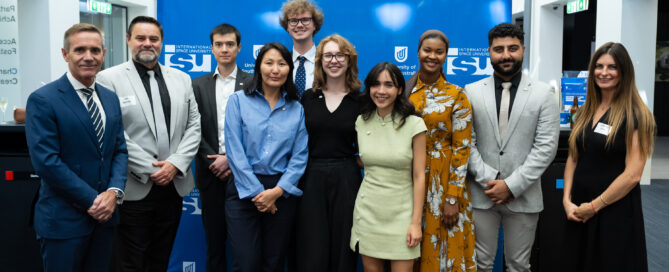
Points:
x=514 y=139
x=211 y=165
x=162 y=131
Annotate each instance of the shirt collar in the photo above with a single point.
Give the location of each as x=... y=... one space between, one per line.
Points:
x=310 y=55
x=515 y=80
x=141 y=69
x=76 y=84
x=232 y=75
x=420 y=84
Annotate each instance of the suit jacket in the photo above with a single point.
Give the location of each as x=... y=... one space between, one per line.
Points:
x=204 y=88
x=526 y=149
x=140 y=131
x=65 y=152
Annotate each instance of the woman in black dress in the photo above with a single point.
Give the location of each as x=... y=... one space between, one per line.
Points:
x=331 y=181
x=608 y=147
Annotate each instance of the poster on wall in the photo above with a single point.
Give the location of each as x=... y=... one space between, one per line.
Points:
x=379 y=30
x=10 y=89
x=662 y=61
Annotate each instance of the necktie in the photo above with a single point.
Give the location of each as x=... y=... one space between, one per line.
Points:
x=94 y=112
x=159 y=117
x=504 y=108
x=300 y=76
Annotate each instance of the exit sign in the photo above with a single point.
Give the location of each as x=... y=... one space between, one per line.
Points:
x=577 y=6
x=99 y=7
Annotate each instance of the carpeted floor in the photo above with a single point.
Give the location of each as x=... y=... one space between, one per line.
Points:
x=655 y=201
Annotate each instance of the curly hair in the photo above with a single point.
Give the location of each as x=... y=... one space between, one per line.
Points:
x=506 y=30
x=299 y=6
x=401 y=106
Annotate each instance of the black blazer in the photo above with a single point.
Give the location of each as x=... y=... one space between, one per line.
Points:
x=204 y=88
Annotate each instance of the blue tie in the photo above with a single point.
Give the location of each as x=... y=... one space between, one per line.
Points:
x=300 y=76
x=96 y=117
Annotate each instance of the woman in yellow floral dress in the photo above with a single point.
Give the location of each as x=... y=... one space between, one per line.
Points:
x=448 y=235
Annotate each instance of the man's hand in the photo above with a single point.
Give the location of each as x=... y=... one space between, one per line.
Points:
x=166 y=173
x=220 y=167
x=265 y=200
x=498 y=192
x=103 y=206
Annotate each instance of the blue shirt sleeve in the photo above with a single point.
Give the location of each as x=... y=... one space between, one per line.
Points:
x=246 y=182
x=298 y=160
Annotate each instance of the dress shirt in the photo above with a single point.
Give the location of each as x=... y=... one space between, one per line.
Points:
x=265 y=142
x=332 y=135
x=225 y=86
x=162 y=88
x=78 y=86
x=515 y=81
x=309 y=65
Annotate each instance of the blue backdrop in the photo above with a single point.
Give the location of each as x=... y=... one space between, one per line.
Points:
x=380 y=31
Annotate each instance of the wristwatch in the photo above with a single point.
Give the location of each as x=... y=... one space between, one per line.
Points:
x=119 y=197
x=451 y=200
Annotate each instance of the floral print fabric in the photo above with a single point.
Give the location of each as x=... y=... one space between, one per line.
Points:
x=448 y=116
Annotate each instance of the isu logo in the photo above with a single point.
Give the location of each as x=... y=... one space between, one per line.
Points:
x=400 y=53
x=188 y=267
x=256 y=50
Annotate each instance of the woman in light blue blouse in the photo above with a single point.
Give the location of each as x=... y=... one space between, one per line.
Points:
x=266 y=144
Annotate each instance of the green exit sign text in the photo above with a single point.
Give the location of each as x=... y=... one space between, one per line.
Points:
x=576 y=6
x=100 y=7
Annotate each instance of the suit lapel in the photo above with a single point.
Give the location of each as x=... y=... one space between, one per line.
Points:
x=491 y=107
x=140 y=93
x=522 y=95
x=72 y=100
x=239 y=80
x=175 y=102
x=210 y=94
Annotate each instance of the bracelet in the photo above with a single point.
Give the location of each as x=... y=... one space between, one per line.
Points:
x=602 y=199
x=593 y=207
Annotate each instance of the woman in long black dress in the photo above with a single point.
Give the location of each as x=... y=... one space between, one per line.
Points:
x=332 y=178
x=608 y=147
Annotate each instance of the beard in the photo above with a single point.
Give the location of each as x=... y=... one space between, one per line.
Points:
x=517 y=64
x=146 y=59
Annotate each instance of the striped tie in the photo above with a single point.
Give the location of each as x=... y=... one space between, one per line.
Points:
x=96 y=117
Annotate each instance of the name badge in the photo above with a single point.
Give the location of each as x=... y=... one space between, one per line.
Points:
x=127 y=101
x=603 y=129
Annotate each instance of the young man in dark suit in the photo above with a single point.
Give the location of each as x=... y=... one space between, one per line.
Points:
x=212 y=170
x=74 y=132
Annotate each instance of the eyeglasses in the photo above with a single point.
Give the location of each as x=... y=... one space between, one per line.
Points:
x=305 y=21
x=339 y=57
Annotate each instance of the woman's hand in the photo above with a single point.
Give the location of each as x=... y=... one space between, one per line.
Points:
x=414 y=235
x=264 y=201
x=585 y=211
x=450 y=214
x=569 y=209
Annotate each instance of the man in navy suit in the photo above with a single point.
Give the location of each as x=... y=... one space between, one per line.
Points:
x=75 y=136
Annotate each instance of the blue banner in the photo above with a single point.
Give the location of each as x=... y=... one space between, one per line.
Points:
x=380 y=31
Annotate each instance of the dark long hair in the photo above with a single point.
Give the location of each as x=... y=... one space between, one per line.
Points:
x=288 y=86
x=401 y=106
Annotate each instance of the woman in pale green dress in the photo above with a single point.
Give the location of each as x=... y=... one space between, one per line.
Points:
x=389 y=205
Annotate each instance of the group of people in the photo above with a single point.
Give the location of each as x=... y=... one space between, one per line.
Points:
x=279 y=155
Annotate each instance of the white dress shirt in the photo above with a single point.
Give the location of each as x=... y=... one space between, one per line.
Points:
x=309 y=65
x=78 y=86
x=225 y=87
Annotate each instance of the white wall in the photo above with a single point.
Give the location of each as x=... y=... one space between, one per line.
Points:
x=42 y=24
x=545 y=56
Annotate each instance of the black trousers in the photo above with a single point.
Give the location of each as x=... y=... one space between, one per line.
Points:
x=144 y=238
x=258 y=240
x=325 y=215
x=213 y=220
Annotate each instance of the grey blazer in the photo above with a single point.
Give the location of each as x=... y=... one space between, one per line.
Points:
x=525 y=150
x=204 y=88
x=140 y=131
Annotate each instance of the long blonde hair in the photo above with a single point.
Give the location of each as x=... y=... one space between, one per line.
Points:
x=626 y=104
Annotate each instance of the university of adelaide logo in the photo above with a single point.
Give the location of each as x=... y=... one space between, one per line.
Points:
x=401 y=53
x=256 y=50
x=188 y=267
